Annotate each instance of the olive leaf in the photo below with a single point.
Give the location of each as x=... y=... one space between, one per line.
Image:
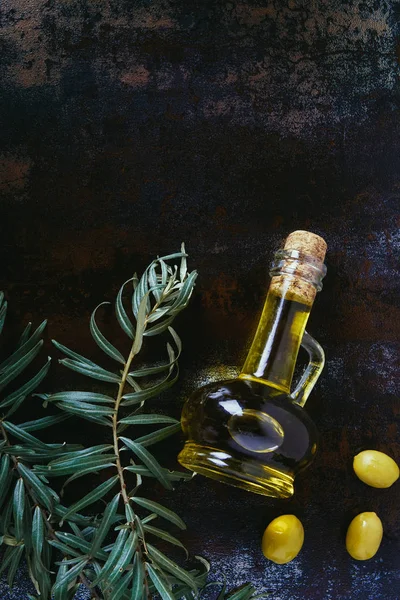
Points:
x=160 y=510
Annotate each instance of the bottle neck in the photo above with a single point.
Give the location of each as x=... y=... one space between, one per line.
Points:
x=273 y=353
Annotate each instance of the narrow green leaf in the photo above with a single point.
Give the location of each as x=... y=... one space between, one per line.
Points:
x=134 y=384
x=135 y=281
x=149 y=419
x=83 y=413
x=149 y=392
x=105 y=525
x=74 y=541
x=123 y=319
x=140 y=325
x=36 y=455
x=28 y=387
x=176 y=339
x=84 y=452
x=87 y=407
x=160 y=583
x=92 y=497
x=27 y=525
x=25 y=335
x=140 y=293
x=120 y=589
x=164 y=271
x=37 y=531
x=185 y=293
x=5 y=477
x=18 y=508
x=129 y=514
x=102 y=341
x=172 y=296
x=14 y=564
x=157 y=314
x=45 y=581
x=93 y=372
x=24 y=349
x=159 y=327
x=152 y=277
x=164 y=535
x=44 y=495
x=81 y=397
x=171 y=354
x=70 y=575
x=124 y=559
x=148 y=459
x=13 y=370
x=88 y=471
x=137 y=591
x=112 y=559
x=34 y=569
x=75 y=465
x=43 y=397
x=168 y=564
x=74 y=355
x=64 y=548
x=160 y=510
x=183 y=265
x=171 y=256
x=70 y=561
x=23 y=435
x=146 y=371
x=158 y=436
x=172 y=475
x=139 y=527
x=43 y=423
x=61 y=592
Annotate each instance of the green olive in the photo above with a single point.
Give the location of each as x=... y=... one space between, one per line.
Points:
x=375 y=468
x=364 y=536
x=283 y=539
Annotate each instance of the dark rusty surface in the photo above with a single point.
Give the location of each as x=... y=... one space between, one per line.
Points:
x=128 y=126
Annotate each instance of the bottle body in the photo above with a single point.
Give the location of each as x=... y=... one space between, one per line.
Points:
x=252 y=431
x=248 y=434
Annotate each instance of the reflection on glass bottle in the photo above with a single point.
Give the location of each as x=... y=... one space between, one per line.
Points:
x=252 y=431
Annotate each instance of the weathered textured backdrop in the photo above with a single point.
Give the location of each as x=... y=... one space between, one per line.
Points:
x=130 y=125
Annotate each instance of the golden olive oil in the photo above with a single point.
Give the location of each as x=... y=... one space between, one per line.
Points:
x=273 y=353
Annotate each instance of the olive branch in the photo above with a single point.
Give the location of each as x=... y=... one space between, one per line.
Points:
x=110 y=552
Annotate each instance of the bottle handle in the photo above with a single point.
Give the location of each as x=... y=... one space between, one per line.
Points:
x=312 y=372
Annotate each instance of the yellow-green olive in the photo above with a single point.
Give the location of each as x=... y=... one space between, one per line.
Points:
x=283 y=539
x=375 y=468
x=364 y=536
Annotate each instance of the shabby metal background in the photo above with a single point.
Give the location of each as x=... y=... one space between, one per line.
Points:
x=128 y=126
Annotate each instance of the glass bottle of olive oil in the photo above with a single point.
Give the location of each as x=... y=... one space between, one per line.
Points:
x=252 y=431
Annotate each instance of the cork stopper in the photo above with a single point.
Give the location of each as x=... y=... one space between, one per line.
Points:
x=307 y=243
x=298 y=274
